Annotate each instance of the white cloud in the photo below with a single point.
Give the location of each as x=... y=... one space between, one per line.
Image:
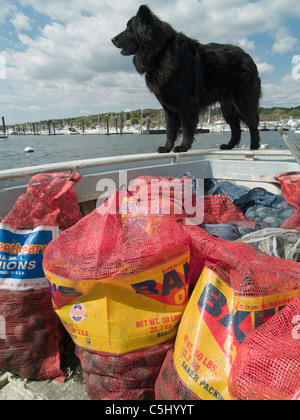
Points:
x=7 y=8
x=246 y=45
x=286 y=93
x=265 y=70
x=29 y=108
x=20 y=22
x=284 y=42
x=285 y=7
x=68 y=10
x=36 y=108
x=72 y=64
x=219 y=20
x=85 y=112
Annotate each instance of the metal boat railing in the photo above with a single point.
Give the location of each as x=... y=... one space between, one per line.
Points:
x=257 y=167
x=170 y=158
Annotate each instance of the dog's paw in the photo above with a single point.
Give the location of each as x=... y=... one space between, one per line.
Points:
x=225 y=147
x=180 y=149
x=254 y=146
x=163 y=149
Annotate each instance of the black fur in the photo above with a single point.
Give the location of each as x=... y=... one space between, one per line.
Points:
x=187 y=76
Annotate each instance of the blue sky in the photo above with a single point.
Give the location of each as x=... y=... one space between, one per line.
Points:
x=60 y=60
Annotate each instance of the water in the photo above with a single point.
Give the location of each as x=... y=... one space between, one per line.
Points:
x=54 y=149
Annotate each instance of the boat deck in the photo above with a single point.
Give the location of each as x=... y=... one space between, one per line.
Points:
x=246 y=167
x=13 y=388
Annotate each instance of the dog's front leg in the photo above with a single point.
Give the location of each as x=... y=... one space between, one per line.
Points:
x=173 y=126
x=189 y=124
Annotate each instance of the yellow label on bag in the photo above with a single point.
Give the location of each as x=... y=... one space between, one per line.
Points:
x=214 y=324
x=119 y=315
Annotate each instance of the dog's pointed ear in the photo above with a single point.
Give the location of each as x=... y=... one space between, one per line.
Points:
x=144 y=13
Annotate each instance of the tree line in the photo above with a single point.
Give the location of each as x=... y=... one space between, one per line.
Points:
x=156 y=117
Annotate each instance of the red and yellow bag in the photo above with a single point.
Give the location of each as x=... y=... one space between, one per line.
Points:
x=32 y=337
x=239 y=289
x=119 y=283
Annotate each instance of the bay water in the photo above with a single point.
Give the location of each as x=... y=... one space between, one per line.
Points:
x=64 y=148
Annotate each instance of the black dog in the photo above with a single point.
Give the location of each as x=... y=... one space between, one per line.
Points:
x=187 y=76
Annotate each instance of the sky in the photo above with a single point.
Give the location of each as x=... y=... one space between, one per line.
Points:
x=57 y=59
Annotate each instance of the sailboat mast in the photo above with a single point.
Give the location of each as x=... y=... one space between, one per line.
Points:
x=4 y=126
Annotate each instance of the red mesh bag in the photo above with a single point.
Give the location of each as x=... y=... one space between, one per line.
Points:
x=160 y=195
x=167 y=195
x=31 y=343
x=122 y=376
x=216 y=209
x=119 y=282
x=31 y=335
x=245 y=260
x=290 y=188
x=219 y=209
x=50 y=200
x=239 y=289
x=168 y=385
x=296 y=396
x=267 y=366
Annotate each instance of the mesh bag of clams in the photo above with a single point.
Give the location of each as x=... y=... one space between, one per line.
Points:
x=31 y=335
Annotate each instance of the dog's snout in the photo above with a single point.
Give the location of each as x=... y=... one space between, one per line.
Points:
x=115 y=42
